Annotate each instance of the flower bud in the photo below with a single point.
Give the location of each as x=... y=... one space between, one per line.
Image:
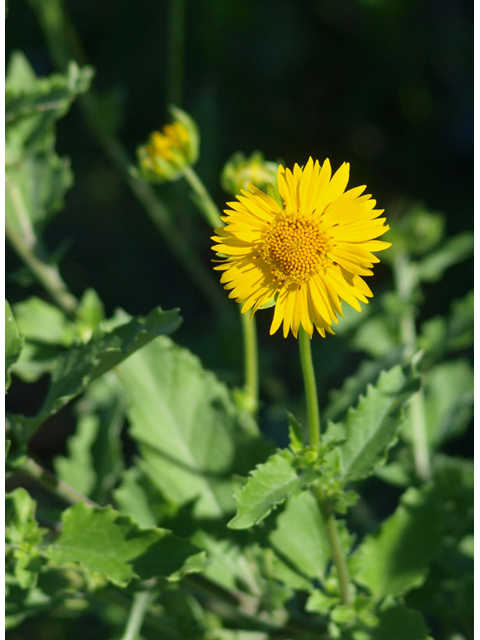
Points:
x=239 y=172
x=168 y=152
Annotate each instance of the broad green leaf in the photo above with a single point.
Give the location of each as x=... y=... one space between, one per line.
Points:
x=105 y=542
x=398 y=622
x=13 y=343
x=372 y=426
x=448 y=401
x=453 y=251
x=395 y=559
x=300 y=538
x=23 y=537
x=94 y=463
x=190 y=434
x=267 y=487
x=81 y=364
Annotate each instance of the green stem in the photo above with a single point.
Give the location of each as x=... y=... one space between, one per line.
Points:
x=204 y=201
x=314 y=439
x=250 y=352
x=141 y=602
x=313 y=411
x=47 y=274
x=405 y=285
x=53 y=484
x=175 y=56
x=334 y=542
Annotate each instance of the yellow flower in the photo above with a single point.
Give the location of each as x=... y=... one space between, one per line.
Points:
x=308 y=254
x=168 y=152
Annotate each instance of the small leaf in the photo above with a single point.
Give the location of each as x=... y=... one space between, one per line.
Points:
x=13 y=343
x=295 y=432
x=23 y=537
x=395 y=559
x=372 y=426
x=267 y=487
x=105 y=542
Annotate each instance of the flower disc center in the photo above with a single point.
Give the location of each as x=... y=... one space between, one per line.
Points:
x=295 y=247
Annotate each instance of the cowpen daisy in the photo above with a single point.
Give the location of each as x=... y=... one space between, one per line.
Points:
x=306 y=255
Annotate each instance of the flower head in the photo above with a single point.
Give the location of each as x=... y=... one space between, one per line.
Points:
x=307 y=255
x=240 y=171
x=167 y=152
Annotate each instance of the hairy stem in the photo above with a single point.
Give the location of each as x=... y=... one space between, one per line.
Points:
x=250 y=352
x=313 y=411
x=47 y=274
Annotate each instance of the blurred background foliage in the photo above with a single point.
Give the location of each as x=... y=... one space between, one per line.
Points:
x=383 y=84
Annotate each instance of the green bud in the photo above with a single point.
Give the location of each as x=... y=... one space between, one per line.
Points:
x=168 y=152
x=240 y=171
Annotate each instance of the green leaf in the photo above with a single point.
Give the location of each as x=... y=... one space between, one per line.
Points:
x=396 y=558
x=105 y=542
x=13 y=343
x=32 y=105
x=23 y=537
x=94 y=463
x=40 y=321
x=267 y=487
x=189 y=432
x=372 y=426
x=453 y=251
x=80 y=365
x=300 y=538
x=398 y=622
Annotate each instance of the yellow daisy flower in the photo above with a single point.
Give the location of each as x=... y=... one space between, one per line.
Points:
x=308 y=255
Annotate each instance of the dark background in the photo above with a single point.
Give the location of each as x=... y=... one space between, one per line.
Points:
x=383 y=84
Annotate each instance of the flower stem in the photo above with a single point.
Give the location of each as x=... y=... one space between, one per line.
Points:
x=203 y=199
x=313 y=411
x=314 y=439
x=250 y=352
